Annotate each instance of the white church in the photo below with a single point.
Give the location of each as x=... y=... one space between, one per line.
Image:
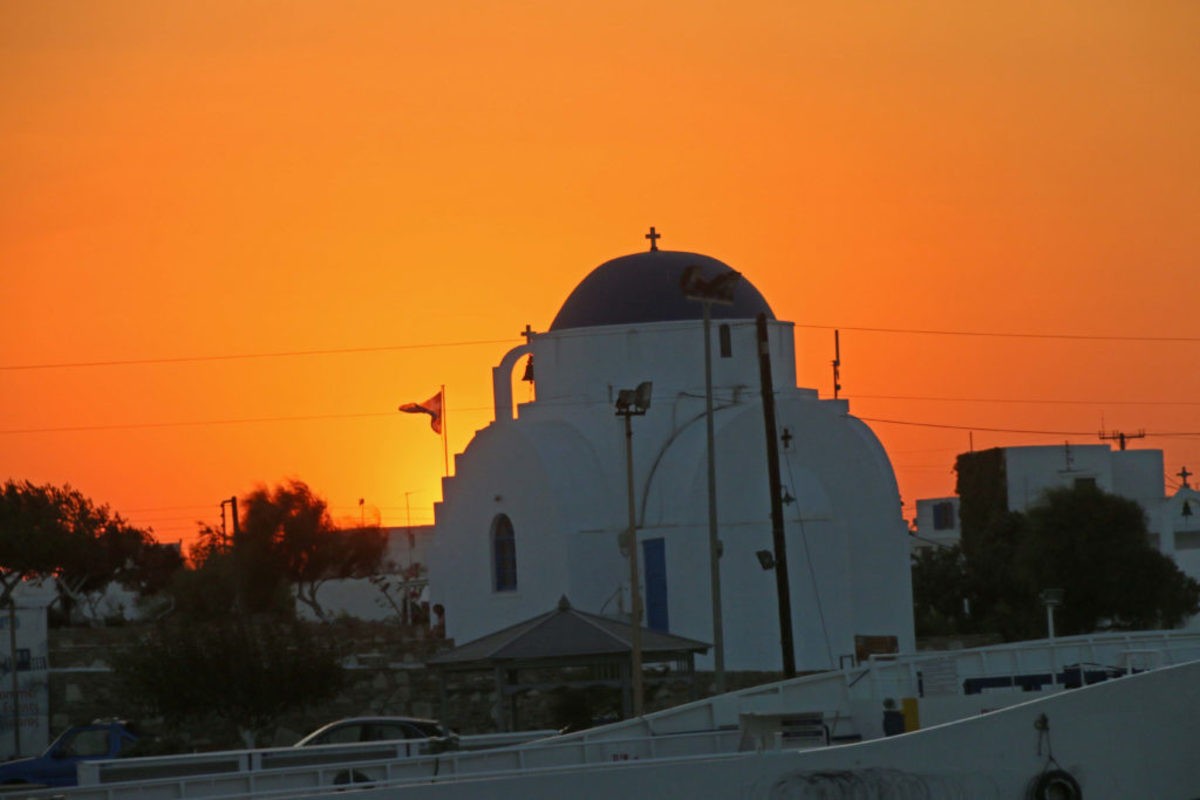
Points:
x=538 y=502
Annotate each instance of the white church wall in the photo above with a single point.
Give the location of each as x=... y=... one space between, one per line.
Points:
x=584 y=366
x=559 y=472
x=598 y=574
x=842 y=603
x=511 y=469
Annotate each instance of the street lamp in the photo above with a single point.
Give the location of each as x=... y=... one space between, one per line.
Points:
x=633 y=403
x=707 y=292
x=1050 y=599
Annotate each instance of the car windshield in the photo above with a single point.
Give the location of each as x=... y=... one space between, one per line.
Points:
x=374 y=730
x=430 y=729
x=87 y=743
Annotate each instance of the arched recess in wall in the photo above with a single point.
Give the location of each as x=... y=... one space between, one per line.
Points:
x=504 y=554
x=502 y=396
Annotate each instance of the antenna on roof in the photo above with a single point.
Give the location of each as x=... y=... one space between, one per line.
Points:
x=837 y=362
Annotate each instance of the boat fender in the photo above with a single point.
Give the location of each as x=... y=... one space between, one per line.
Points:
x=1055 y=784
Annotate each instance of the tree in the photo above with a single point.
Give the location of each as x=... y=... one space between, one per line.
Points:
x=286 y=543
x=291 y=527
x=1095 y=546
x=1092 y=544
x=939 y=588
x=56 y=532
x=245 y=671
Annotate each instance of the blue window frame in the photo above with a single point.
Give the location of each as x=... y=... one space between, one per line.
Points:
x=504 y=555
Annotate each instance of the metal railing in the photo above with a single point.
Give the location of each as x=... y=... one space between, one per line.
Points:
x=702 y=728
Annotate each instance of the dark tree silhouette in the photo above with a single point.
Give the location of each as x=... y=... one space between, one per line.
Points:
x=1092 y=544
x=1095 y=546
x=50 y=531
x=286 y=542
x=245 y=671
x=939 y=587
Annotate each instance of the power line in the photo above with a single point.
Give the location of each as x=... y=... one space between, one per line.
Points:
x=242 y=356
x=1045 y=401
x=131 y=425
x=433 y=345
x=1004 y=335
x=166 y=508
x=1005 y=430
x=237 y=421
x=369 y=414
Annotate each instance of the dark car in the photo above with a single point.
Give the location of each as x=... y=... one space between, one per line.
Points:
x=102 y=740
x=384 y=729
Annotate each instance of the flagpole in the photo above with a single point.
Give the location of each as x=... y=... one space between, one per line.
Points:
x=445 y=447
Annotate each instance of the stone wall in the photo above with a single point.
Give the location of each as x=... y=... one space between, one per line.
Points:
x=386 y=676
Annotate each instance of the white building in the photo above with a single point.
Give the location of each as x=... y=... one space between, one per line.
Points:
x=1175 y=525
x=1173 y=522
x=937 y=523
x=538 y=501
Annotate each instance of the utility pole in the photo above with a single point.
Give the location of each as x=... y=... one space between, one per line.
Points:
x=718 y=290
x=633 y=403
x=232 y=501
x=783 y=587
x=1120 y=436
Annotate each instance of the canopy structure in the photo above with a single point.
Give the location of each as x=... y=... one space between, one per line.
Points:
x=566 y=648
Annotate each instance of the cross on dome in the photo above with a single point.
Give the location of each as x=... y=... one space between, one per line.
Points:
x=653 y=236
x=1185 y=474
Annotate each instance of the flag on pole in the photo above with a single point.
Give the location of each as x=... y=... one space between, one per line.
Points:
x=432 y=407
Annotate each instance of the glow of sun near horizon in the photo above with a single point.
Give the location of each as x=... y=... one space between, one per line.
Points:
x=268 y=177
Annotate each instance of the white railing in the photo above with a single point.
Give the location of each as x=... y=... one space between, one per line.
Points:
x=709 y=726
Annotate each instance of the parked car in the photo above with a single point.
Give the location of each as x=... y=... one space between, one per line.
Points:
x=103 y=739
x=383 y=729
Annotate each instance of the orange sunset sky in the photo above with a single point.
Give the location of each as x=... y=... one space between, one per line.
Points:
x=406 y=185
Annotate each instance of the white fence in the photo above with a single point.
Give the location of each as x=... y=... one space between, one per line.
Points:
x=848 y=702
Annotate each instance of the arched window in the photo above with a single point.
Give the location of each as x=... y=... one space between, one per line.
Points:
x=504 y=555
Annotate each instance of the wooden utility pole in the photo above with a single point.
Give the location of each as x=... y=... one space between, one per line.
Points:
x=782 y=585
x=1121 y=436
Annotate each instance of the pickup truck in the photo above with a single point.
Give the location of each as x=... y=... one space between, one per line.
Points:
x=99 y=741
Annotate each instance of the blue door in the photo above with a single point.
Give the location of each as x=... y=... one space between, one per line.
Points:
x=654 y=553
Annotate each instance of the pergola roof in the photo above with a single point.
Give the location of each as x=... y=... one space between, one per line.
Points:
x=565 y=633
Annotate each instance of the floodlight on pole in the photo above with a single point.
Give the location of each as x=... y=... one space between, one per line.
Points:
x=1051 y=598
x=708 y=291
x=633 y=403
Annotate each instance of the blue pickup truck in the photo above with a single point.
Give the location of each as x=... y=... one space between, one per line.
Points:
x=103 y=739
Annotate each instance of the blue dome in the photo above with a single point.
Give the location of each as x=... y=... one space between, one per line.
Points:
x=644 y=287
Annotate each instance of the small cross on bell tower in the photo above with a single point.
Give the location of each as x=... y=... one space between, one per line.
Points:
x=1184 y=474
x=653 y=236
